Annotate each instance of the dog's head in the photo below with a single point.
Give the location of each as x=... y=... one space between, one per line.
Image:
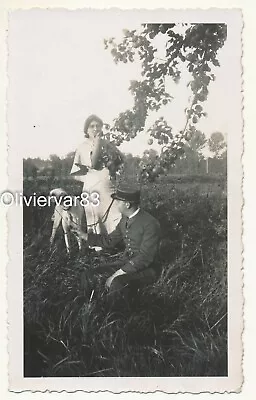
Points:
x=58 y=192
x=61 y=195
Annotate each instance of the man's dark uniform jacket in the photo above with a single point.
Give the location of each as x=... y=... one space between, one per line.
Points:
x=141 y=235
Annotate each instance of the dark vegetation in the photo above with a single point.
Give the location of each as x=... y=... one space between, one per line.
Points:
x=176 y=327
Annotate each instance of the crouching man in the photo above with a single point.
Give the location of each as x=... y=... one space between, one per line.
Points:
x=140 y=233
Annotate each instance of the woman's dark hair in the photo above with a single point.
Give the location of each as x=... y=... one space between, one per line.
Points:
x=89 y=120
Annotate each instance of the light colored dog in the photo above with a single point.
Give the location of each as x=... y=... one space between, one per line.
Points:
x=65 y=214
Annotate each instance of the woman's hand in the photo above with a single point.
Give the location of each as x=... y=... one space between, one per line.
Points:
x=96 y=142
x=96 y=149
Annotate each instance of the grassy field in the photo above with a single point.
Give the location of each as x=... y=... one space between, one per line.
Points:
x=176 y=327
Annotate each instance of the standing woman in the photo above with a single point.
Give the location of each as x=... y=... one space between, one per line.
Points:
x=95 y=164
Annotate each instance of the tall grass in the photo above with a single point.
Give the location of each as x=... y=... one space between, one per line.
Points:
x=175 y=327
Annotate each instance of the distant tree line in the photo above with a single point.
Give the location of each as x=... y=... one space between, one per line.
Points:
x=200 y=156
x=52 y=167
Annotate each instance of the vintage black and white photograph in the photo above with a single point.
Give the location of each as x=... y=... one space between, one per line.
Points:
x=126 y=126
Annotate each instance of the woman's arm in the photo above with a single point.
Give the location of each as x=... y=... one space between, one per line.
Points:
x=95 y=153
x=82 y=161
x=76 y=161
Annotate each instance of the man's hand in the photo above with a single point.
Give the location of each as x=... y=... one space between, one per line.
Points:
x=74 y=227
x=112 y=277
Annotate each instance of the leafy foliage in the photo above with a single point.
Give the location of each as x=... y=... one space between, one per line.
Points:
x=193 y=45
x=217 y=144
x=110 y=157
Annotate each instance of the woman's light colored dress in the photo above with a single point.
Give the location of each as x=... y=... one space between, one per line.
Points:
x=98 y=181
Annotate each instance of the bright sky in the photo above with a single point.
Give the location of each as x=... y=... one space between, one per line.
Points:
x=59 y=73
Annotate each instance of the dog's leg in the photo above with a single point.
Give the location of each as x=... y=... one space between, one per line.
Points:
x=79 y=242
x=67 y=242
x=65 y=227
x=56 y=221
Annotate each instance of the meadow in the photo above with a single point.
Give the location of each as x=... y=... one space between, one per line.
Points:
x=175 y=327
